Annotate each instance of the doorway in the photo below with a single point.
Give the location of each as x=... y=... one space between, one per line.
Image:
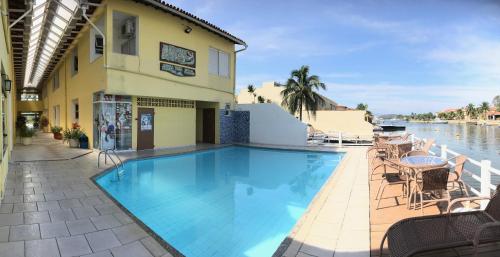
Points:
x=145 y=128
x=209 y=125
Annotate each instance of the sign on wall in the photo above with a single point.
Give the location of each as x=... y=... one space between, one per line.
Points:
x=177 y=70
x=177 y=55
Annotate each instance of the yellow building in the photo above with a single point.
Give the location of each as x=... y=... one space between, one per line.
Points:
x=7 y=107
x=141 y=75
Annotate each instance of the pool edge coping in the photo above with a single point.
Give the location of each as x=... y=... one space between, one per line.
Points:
x=285 y=243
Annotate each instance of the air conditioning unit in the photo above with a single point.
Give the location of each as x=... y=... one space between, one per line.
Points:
x=128 y=28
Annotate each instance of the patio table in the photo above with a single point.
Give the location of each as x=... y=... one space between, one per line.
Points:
x=423 y=161
x=398 y=147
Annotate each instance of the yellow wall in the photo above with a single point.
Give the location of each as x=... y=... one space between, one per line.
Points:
x=29 y=106
x=6 y=63
x=140 y=75
x=351 y=123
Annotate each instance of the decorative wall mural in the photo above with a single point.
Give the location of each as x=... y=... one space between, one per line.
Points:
x=177 y=55
x=177 y=70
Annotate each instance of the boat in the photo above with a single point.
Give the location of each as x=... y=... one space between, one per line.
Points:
x=390 y=128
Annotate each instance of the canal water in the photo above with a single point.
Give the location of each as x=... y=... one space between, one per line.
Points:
x=475 y=141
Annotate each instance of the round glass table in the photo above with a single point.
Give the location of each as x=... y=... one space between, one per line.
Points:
x=423 y=161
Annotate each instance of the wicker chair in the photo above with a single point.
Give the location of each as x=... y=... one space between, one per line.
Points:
x=416 y=235
x=397 y=177
x=429 y=182
x=455 y=177
x=424 y=150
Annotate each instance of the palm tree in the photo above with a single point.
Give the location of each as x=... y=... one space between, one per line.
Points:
x=261 y=99
x=362 y=106
x=300 y=92
x=251 y=90
x=460 y=114
x=470 y=110
x=484 y=108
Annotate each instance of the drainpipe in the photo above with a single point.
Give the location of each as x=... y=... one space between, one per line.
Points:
x=30 y=9
x=84 y=7
x=245 y=46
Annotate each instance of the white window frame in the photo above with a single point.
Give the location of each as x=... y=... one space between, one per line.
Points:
x=219 y=72
x=74 y=70
x=93 y=34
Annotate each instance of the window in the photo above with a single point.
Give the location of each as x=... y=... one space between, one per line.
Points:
x=74 y=62
x=124 y=33
x=76 y=110
x=29 y=94
x=96 y=41
x=55 y=80
x=218 y=62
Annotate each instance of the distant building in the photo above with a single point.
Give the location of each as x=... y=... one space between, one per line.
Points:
x=493 y=114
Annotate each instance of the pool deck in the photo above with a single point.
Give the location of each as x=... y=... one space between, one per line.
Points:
x=53 y=208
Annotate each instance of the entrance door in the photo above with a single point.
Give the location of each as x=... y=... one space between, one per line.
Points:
x=145 y=128
x=209 y=126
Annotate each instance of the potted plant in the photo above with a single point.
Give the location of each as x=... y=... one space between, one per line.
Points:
x=27 y=135
x=56 y=130
x=44 y=122
x=73 y=135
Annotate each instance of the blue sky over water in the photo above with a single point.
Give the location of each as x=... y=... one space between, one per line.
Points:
x=398 y=56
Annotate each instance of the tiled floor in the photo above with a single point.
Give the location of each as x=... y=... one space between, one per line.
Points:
x=393 y=208
x=52 y=208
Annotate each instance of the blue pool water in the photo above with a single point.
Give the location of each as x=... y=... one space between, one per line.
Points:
x=233 y=201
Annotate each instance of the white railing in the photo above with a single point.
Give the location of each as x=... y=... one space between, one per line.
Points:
x=486 y=170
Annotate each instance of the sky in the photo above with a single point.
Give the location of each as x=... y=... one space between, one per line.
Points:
x=398 y=56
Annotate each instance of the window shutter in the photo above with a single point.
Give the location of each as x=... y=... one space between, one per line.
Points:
x=213 y=61
x=223 y=64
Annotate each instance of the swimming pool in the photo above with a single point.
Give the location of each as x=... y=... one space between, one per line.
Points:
x=232 y=201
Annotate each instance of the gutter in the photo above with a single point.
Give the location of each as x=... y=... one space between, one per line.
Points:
x=245 y=46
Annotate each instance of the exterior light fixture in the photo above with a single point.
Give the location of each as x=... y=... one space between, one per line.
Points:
x=188 y=29
x=6 y=84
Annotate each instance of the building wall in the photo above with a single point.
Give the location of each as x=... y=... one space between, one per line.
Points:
x=10 y=106
x=272 y=125
x=351 y=123
x=141 y=75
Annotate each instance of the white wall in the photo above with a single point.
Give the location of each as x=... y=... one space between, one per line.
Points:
x=270 y=124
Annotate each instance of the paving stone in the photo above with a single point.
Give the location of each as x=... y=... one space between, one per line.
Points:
x=74 y=194
x=85 y=212
x=34 y=198
x=54 y=196
x=6 y=207
x=24 y=232
x=42 y=190
x=123 y=217
x=102 y=240
x=129 y=233
x=56 y=229
x=12 y=249
x=104 y=209
x=31 y=184
x=78 y=227
x=48 y=206
x=61 y=215
x=36 y=217
x=73 y=246
x=135 y=249
x=24 y=207
x=4 y=234
x=153 y=247
x=80 y=187
x=91 y=201
x=12 y=199
x=106 y=253
x=105 y=221
x=69 y=203
x=42 y=248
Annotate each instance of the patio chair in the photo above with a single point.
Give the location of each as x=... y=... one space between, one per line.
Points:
x=430 y=182
x=424 y=150
x=395 y=177
x=455 y=176
x=412 y=236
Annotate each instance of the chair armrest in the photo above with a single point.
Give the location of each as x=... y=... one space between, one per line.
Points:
x=464 y=199
x=477 y=236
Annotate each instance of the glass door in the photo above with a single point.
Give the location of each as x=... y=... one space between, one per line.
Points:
x=112 y=122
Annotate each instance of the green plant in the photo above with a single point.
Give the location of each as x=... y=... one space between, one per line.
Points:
x=44 y=122
x=300 y=92
x=56 y=129
x=261 y=99
x=26 y=132
x=73 y=133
